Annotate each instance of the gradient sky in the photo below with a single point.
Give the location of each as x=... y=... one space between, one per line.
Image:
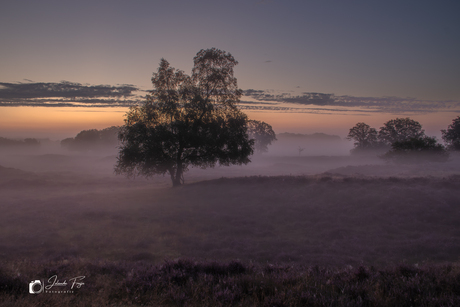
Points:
x=379 y=59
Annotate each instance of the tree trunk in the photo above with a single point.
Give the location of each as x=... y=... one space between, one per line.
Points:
x=177 y=177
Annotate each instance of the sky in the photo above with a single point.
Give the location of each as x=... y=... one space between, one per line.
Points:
x=305 y=66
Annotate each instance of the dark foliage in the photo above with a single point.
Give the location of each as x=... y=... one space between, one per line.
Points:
x=407 y=140
x=187 y=121
x=400 y=129
x=365 y=139
x=5 y=142
x=451 y=136
x=262 y=134
x=418 y=149
x=363 y=135
x=92 y=139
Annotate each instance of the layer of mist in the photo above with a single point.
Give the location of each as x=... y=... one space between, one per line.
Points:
x=321 y=206
x=315 y=206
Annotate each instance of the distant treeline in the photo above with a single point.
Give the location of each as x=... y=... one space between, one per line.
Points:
x=314 y=136
x=5 y=142
x=404 y=140
x=92 y=139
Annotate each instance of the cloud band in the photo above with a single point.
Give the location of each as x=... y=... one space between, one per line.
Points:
x=68 y=94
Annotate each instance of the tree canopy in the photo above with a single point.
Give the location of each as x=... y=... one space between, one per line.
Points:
x=451 y=136
x=363 y=135
x=366 y=139
x=262 y=134
x=92 y=139
x=6 y=142
x=416 y=149
x=400 y=129
x=186 y=121
x=403 y=136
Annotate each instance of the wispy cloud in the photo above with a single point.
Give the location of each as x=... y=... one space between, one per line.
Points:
x=370 y=104
x=66 y=94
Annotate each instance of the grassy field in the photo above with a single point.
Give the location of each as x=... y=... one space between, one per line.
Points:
x=345 y=221
x=203 y=283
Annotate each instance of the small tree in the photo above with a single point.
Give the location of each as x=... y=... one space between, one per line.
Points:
x=400 y=129
x=186 y=121
x=365 y=139
x=262 y=134
x=451 y=136
x=363 y=135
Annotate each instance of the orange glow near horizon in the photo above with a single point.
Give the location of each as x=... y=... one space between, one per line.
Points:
x=62 y=122
x=58 y=121
x=340 y=123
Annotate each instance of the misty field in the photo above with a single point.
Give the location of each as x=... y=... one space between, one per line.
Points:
x=333 y=212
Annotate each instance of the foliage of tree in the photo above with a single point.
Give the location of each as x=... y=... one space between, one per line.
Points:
x=109 y=136
x=404 y=136
x=5 y=142
x=92 y=139
x=363 y=135
x=416 y=149
x=400 y=129
x=87 y=136
x=451 y=136
x=365 y=139
x=31 y=142
x=186 y=121
x=67 y=143
x=262 y=134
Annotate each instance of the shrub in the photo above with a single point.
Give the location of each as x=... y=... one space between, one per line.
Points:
x=417 y=149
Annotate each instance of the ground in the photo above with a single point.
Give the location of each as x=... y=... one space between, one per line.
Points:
x=314 y=210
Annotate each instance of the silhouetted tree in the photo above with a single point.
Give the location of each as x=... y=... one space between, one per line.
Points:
x=31 y=142
x=262 y=134
x=67 y=142
x=451 y=136
x=416 y=149
x=92 y=139
x=400 y=129
x=5 y=142
x=86 y=137
x=363 y=135
x=365 y=139
x=186 y=121
x=109 y=136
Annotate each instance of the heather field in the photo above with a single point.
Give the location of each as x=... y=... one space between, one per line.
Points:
x=283 y=231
